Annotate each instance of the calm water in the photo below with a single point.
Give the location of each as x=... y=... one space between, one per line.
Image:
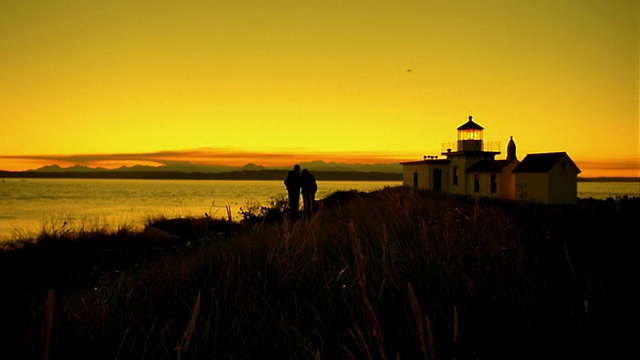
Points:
x=26 y=206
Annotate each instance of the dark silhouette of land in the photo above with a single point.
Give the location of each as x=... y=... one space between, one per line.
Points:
x=180 y=175
x=609 y=179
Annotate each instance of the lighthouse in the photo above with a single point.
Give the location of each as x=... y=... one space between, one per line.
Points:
x=470 y=168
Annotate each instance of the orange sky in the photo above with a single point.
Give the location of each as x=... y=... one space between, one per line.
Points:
x=274 y=82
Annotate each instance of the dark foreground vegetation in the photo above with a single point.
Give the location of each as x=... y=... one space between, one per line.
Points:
x=393 y=274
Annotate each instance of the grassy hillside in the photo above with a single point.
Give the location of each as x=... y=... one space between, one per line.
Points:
x=397 y=273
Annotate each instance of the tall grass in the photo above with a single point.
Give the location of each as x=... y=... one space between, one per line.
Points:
x=396 y=273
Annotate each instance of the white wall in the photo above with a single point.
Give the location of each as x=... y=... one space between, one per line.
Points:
x=507 y=182
x=563 y=183
x=532 y=187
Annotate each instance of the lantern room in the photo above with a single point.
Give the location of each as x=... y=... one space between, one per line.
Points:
x=470 y=131
x=470 y=136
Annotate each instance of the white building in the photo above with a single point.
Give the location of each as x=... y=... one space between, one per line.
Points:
x=470 y=169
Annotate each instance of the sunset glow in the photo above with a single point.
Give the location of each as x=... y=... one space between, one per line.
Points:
x=278 y=82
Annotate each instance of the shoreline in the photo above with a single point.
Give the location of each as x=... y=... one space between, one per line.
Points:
x=240 y=175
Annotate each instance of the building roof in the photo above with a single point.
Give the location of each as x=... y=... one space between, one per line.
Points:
x=540 y=163
x=489 y=166
x=430 y=161
x=470 y=125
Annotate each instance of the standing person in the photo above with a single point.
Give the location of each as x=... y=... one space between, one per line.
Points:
x=292 y=182
x=309 y=189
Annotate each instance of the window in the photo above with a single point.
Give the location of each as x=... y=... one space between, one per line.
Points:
x=476 y=183
x=455 y=175
x=494 y=184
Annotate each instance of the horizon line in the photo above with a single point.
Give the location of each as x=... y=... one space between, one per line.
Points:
x=232 y=158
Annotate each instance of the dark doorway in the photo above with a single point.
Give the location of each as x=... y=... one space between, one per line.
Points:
x=415 y=179
x=437 y=180
x=494 y=183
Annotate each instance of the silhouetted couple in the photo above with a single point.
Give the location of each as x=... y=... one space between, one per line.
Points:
x=296 y=182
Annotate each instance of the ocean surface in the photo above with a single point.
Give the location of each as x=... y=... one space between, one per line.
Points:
x=29 y=205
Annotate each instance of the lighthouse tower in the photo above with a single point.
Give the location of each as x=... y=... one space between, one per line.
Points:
x=469 y=151
x=470 y=136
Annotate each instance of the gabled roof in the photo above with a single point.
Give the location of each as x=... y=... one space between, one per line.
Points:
x=540 y=163
x=470 y=125
x=489 y=166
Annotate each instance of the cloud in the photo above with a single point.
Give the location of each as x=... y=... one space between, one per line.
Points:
x=622 y=164
x=205 y=156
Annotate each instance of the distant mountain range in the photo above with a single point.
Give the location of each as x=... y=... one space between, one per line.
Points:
x=187 y=170
x=191 y=168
